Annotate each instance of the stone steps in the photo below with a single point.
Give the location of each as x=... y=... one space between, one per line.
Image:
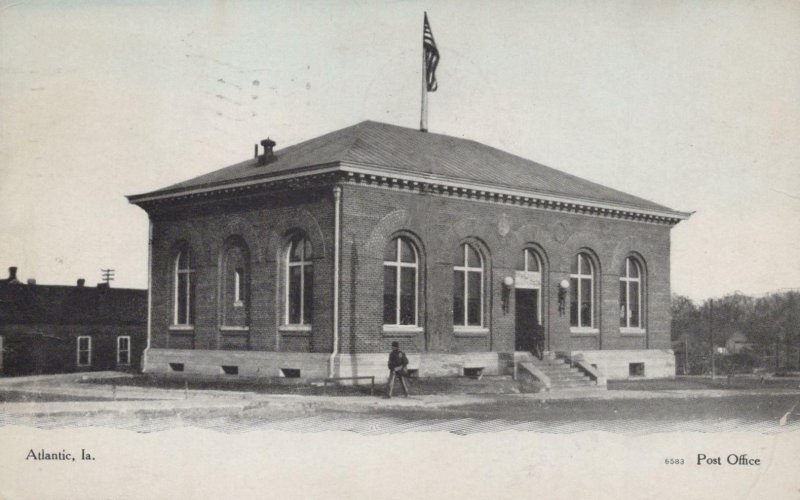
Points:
x=562 y=376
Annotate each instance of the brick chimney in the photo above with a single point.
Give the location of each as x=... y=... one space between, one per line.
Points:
x=81 y=282
x=268 y=155
x=12 y=276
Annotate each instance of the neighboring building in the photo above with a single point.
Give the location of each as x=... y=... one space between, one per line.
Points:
x=61 y=329
x=311 y=260
x=738 y=343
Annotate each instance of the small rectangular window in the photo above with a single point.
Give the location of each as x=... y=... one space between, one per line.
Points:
x=475 y=372
x=84 y=351
x=176 y=367
x=123 y=351
x=290 y=372
x=230 y=370
x=636 y=370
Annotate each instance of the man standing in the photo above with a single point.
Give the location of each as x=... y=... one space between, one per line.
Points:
x=397 y=368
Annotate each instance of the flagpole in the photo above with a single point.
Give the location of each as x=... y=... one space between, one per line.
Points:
x=423 y=119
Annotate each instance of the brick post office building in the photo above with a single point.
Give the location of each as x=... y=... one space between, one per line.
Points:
x=310 y=260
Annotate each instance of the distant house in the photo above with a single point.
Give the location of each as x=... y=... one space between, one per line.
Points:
x=737 y=343
x=60 y=329
x=311 y=260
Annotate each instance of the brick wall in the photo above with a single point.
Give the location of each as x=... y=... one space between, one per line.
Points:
x=371 y=216
x=263 y=224
x=43 y=349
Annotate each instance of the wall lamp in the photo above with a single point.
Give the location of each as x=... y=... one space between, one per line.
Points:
x=508 y=284
x=563 y=286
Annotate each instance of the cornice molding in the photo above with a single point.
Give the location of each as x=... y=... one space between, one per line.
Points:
x=376 y=176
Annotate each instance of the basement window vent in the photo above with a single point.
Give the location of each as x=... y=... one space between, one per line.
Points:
x=414 y=373
x=473 y=372
x=230 y=370
x=176 y=367
x=290 y=372
x=636 y=370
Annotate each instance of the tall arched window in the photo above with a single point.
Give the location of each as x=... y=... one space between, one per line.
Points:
x=183 y=298
x=400 y=278
x=630 y=294
x=582 y=293
x=468 y=287
x=299 y=282
x=235 y=284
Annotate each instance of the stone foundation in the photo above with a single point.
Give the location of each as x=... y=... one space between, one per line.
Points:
x=616 y=364
x=311 y=365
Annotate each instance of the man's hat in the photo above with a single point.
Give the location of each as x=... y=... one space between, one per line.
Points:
x=395 y=344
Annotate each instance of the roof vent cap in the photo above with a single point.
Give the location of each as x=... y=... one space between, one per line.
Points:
x=268 y=155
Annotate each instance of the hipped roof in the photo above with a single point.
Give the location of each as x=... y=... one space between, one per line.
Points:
x=398 y=150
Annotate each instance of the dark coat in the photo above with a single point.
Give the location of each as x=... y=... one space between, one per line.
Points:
x=397 y=358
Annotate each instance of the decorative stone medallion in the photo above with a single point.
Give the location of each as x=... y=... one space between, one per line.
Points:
x=503 y=225
x=560 y=232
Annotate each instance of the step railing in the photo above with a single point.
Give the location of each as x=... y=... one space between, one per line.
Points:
x=536 y=372
x=578 y=361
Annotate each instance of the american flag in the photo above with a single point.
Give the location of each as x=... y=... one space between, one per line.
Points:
x=431 y=56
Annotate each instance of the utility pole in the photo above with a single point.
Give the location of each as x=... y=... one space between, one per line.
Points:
x=108 y=275
x=685 y=355
x=711 y=333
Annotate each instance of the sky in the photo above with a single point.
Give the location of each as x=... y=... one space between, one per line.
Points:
x=693 y=105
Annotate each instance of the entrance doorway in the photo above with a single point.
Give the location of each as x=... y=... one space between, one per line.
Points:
x=527 y=318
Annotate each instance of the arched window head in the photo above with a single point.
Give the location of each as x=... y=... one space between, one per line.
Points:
x=183 y=288
x=531 y=261
x=400 y=283
x=299 y=282
x=582 y=292
x=630 y=294
x=468 y=287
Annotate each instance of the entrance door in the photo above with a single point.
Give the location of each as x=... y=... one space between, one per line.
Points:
x=527 y=318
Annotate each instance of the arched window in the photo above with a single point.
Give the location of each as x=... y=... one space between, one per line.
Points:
x=400 y=278
x=582 y=293
x=468 y=287
x=530 y=280
x=630 y=294
x=235 y=285
x=532 y=263
x=183 y=298
x=299 y=282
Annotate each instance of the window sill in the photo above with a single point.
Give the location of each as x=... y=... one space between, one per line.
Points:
x=583 y=331
x=634 y=332
x=401 y=330
x=470 y=331
x=295 y=330
x=234 y=329
x=182 y=328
